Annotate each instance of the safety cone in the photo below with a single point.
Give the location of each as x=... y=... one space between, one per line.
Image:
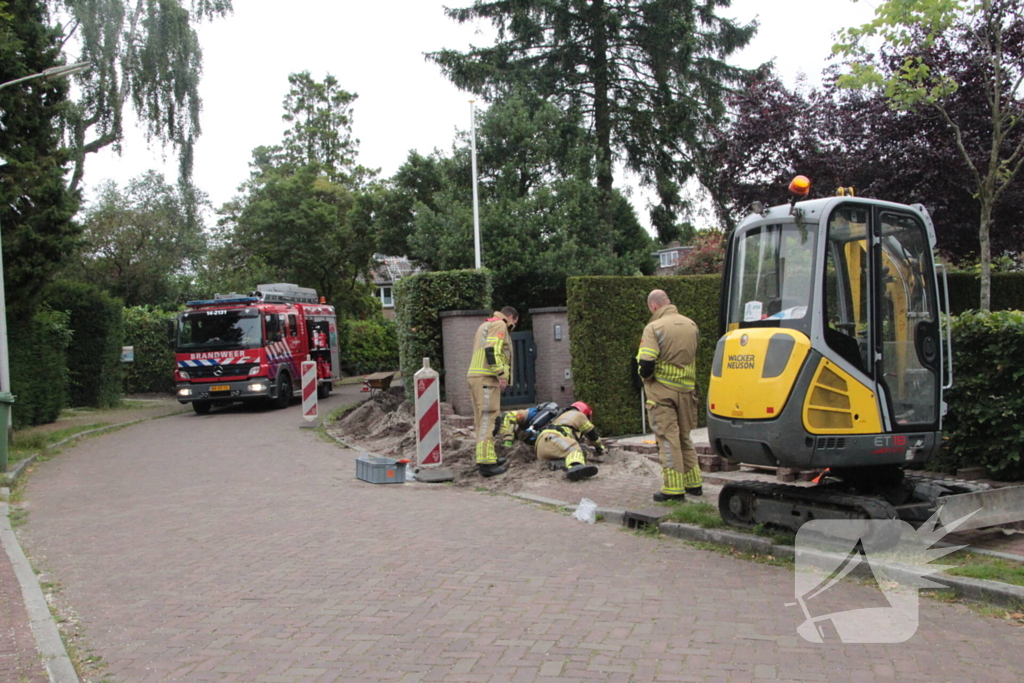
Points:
x=366 y=385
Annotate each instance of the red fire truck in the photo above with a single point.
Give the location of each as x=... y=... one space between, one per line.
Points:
x=238 y=347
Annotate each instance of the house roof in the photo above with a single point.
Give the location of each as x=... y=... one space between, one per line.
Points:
x=391 y=269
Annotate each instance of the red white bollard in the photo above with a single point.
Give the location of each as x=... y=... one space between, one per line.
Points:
x=428 y=416
x=309 y=394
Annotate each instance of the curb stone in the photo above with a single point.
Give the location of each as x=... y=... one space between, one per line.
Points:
x=48 y=641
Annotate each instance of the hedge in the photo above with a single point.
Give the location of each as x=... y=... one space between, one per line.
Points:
x=94 y=356
x=152 y=371
x=965 y=292
x=370 y=346
x=38 y=363
x=986 y=403
x=419 y=299
x=607 y=316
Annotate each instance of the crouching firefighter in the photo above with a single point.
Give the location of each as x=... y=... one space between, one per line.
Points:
x=490 y=371
x=559 y=442
x=525 y=425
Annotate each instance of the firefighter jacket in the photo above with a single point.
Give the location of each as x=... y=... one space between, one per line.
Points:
x=670 y=341
x=574 y=424
x=492 y=349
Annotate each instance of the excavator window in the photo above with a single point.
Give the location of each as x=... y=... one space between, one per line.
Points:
x=771 y=278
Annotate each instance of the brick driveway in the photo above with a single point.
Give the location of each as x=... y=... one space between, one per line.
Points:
x=235 y=547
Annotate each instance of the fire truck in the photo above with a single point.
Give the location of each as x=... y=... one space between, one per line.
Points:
x=249 y=347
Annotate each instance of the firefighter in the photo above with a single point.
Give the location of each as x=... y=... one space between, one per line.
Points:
x=490 y=371
x=525 y=424
x=667 y=365
x=560 y=441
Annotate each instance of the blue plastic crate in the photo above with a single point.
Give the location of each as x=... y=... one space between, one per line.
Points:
x=379 y=470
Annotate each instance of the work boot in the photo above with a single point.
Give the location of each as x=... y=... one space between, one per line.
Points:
x=580 y=471
x=660 y=497
x=491 y=470
x=504 y=461
x=556 y=465
x=695 y=491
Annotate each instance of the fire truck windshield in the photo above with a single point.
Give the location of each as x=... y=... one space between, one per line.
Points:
x=219 y=329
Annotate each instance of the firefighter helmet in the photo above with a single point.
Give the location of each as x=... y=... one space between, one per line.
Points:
x=583 y=408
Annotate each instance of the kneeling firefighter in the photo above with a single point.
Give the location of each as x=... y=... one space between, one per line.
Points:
x=525 y=425
x=560 y=441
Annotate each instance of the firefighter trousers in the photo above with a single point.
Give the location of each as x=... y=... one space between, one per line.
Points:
x=486 y=396
x=552 y=445
x=673 y=414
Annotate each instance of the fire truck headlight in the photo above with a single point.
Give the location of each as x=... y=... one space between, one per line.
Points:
x=256 y=387
x=254 y=370
x=184 y=392
x=183 y=374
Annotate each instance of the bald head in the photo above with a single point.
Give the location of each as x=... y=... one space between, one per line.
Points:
x=656 y=299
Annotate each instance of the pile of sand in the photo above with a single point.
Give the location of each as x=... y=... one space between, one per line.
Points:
x=385 y=425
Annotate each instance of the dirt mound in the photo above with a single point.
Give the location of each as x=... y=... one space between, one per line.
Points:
x=385 y=425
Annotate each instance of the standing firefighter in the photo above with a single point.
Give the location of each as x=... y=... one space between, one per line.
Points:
x=490 y=372
x=560 y=440
x=667 y=360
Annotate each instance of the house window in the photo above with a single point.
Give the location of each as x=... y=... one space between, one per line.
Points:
x=669 y=259
x=385 y=297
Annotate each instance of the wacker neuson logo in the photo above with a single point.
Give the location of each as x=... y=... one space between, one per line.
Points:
x=891 y=554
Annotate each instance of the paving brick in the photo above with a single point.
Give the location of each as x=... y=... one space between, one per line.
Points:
x=241 y=547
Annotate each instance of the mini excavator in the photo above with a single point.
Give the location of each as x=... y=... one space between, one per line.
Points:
x=832 y=356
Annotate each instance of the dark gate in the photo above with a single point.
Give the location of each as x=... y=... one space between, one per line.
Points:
x=524 y=352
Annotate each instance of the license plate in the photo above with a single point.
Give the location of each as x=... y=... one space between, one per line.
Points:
x=221 y=387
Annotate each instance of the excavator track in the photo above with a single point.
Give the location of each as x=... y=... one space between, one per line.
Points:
x=749 y=503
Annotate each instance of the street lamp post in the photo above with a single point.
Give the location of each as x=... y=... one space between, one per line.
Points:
x=5 y=370
x=476 y=200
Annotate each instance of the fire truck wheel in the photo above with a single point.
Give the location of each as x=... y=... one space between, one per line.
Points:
x=201 y=408
x=324 y=390
x=284 y=390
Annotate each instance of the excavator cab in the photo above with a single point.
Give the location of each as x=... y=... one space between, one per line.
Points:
x=830 y=352
x=831 y=357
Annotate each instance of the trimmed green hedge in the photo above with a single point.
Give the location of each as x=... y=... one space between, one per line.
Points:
x=39 y=369
x=965 y=292
x=369 y=346
x=607 y=316
x=94 y=356
x=419 y=299
x=152 y=371
x=984 y=425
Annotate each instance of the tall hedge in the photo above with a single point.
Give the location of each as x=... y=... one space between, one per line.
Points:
x=965 y=292
x=607 y=316
x=370 y=346
x=94 y=356
x=152 y=371
x=419 y=300
x=38 y=363
x=984 y=425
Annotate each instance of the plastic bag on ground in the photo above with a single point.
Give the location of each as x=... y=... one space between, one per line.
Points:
x=586 y=511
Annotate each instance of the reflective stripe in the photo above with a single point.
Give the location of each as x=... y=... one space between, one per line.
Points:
x=675 y=376
x=672 y=482
x=692 y=478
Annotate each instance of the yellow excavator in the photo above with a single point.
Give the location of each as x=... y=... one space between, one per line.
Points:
x=832 y=356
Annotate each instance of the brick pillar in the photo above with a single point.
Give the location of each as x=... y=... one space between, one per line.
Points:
x=551 y=336
x=457 y=328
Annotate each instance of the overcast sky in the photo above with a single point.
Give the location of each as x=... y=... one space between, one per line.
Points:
x=375 y=49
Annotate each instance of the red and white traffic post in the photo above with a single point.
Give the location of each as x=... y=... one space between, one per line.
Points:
x=428 y=416
x=309 y=393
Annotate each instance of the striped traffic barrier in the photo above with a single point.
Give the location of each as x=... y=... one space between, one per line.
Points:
x=309 y=395
x=428 y=416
